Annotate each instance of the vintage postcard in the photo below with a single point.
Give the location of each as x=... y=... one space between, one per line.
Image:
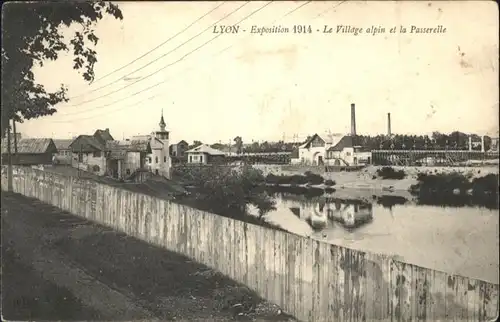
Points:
x=250 y=160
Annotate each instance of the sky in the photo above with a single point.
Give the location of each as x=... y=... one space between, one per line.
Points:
x=282 y=85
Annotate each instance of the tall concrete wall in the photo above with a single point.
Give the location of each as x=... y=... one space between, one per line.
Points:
x=311 y=280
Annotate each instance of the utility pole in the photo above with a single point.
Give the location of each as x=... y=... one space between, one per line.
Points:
x=9 y=157
x=15 y=136
x=80 y=155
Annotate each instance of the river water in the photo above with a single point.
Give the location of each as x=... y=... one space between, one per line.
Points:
x=459 y=240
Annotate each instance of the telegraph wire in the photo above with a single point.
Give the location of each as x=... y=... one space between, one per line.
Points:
x=157 y=84
x=154 y=96
x=287 y=14
x=155 y=48
x=107 y=112
x=153 y=61
x=331 y=8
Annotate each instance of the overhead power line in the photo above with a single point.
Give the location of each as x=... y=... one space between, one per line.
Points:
x=153 y=61
x=155 y=48
x=157 y=71
x=155 y=96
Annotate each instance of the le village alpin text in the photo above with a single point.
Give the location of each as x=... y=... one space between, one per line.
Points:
x=337 y=29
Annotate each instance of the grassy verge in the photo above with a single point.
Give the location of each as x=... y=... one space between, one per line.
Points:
x=167 y=283
x=28 y=297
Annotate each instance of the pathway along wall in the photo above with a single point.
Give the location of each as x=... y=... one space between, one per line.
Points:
x=311 y=280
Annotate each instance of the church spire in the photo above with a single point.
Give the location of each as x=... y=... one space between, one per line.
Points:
x=162 y=122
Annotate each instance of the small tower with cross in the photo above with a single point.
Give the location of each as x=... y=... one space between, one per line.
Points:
x=161 y=157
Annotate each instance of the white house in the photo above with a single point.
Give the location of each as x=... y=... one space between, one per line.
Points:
x=204 y=154
x=348 y=152
x=124 y=158
x=158 y=161
x=89 y=154
x=313 y=151
x=64 y=154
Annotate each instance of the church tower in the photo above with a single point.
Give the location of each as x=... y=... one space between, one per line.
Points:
x=163 y=133
x=162 y=155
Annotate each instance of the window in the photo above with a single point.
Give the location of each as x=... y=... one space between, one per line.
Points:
x=80 y=157
x=165 y=159
x=97 y=154
x=128 y=171
x=190 y=159
x=156 y=159
x=348 y=154
x=149 y=160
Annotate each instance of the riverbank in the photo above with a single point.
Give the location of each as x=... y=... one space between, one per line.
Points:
x=424 y=185
x=370 y=179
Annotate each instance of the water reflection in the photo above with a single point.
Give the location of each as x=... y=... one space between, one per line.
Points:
x=461 y=240
x=324 y=212
x=390 y=201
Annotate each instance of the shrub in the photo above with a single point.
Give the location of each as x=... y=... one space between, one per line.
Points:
x=330 y=190
x=313 y=178
x=485 y=185
x=329 y=182
x=297 y=179
x=272 y=179
x=441 y=189
x=227 y=189
x=390 y=173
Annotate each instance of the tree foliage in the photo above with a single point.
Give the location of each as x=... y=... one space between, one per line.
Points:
x=228 y=190
x=238 y=142
x=32 y=32
x=437 y=141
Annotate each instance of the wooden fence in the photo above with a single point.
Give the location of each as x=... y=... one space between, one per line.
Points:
x=312 y=280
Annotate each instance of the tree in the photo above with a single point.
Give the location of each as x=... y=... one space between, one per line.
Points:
x=32 y=33
x=238 y=141
x=195 y=144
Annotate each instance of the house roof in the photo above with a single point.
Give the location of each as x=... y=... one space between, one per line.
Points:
x=31 y=146
x=204 y=148
x=182 y=142
x=117 y=154
x=62 y=144
x=103 y=135
x=328 y=137
x=87 y=143
x=141 y=137
x=155 y=143
x=347 y=141
x=129 y=146
x=312 y=138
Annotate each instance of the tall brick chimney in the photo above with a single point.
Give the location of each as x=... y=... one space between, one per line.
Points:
x=389 y=133
x=353 y=120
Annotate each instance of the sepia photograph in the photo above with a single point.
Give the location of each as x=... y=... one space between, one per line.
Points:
x=308 y=161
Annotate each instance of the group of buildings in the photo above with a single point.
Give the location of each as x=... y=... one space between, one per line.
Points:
x=333 y=149
x=149 y=154
x=101 y=154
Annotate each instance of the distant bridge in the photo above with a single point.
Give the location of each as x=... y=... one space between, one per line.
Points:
x=432 y=157
x=262 y=157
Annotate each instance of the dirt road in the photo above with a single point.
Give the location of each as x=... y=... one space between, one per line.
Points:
x=57 y=266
